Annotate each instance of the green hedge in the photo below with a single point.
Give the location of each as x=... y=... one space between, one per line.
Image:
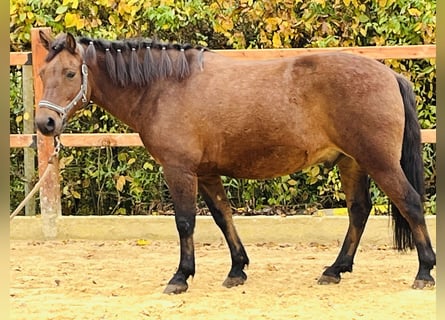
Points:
x=126 y=180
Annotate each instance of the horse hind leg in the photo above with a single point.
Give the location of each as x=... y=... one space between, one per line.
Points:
x=411 y=222
x=212 y=191
x=355 y=184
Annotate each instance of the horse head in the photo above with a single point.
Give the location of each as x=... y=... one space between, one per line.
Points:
x=65 y=83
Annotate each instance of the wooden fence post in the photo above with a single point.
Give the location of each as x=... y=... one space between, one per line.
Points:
x=28 y=127
x=50 y=204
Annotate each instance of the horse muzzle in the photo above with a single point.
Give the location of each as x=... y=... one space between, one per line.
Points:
x=49 y=122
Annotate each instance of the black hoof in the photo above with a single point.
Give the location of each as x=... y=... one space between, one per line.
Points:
x=176 y=288
x=324 y=279
x=233 y=282
x=423 y=284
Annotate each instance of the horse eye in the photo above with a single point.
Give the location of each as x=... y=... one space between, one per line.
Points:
x=70 y=74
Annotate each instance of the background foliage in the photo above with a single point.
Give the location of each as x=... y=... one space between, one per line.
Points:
x=126 y=180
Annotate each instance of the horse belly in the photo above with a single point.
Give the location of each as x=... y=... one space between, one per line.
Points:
x=269 y=162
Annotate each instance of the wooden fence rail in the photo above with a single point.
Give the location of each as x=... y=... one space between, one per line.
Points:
x=122 y=139
x=50 y=191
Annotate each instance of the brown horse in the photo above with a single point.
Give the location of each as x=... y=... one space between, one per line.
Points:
x=202 y=115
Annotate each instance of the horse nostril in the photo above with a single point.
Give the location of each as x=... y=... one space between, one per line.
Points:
x=50 y=125
x=46 y=125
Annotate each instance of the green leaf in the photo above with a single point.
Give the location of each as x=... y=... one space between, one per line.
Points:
x=363 y=18
x=61 y=9
x=122 y=156
x=148 y=165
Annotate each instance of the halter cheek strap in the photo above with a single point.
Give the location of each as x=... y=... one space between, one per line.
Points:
x=81 y=95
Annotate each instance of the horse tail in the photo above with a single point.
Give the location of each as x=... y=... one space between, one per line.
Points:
x=411 y=163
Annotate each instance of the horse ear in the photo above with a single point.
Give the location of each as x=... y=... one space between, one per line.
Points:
x=70 y=43
x=45 y=39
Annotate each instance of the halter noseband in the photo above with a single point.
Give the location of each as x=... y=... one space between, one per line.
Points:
x=81 y=95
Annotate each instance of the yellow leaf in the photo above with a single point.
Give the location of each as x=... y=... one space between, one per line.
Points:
x=65 y=161
x=382 y=3
x=131 y=161
x=227 y=24
x=120 y=183
x=414 y=12
x=70 y=20
x=214 y=7
x=26 y=116
x=276 y=40
x=142 y=242
x=112 y=20
x=87 y=113
x=315 y=171
x=105 y=3
x=322 y=2
x=346 y=2
x=418 y=26
x=273 y=21
x=72 y=3
x=80 y=24
x=218 y=28
x=121 y=211
x=75 y=194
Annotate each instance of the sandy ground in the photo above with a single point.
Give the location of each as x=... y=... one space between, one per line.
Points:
x=125 y=279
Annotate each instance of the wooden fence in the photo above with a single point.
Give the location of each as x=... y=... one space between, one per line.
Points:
x=50 y=196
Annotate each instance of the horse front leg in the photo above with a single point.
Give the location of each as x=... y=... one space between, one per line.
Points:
x=183 y=190
x=212 y=191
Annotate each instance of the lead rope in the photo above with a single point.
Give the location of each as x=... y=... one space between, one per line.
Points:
x=51 y=160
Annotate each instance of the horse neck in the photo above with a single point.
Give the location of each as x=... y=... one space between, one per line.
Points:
x=126 y=104
x=133 y=101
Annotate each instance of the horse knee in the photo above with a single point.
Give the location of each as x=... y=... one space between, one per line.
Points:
x=360 y=212
x=362 y=207
x=185 y=226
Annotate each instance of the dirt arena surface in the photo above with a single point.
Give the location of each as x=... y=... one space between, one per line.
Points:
x=86 y=279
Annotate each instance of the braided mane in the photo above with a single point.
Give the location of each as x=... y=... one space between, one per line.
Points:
x=142 y=61
x=136 y=61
